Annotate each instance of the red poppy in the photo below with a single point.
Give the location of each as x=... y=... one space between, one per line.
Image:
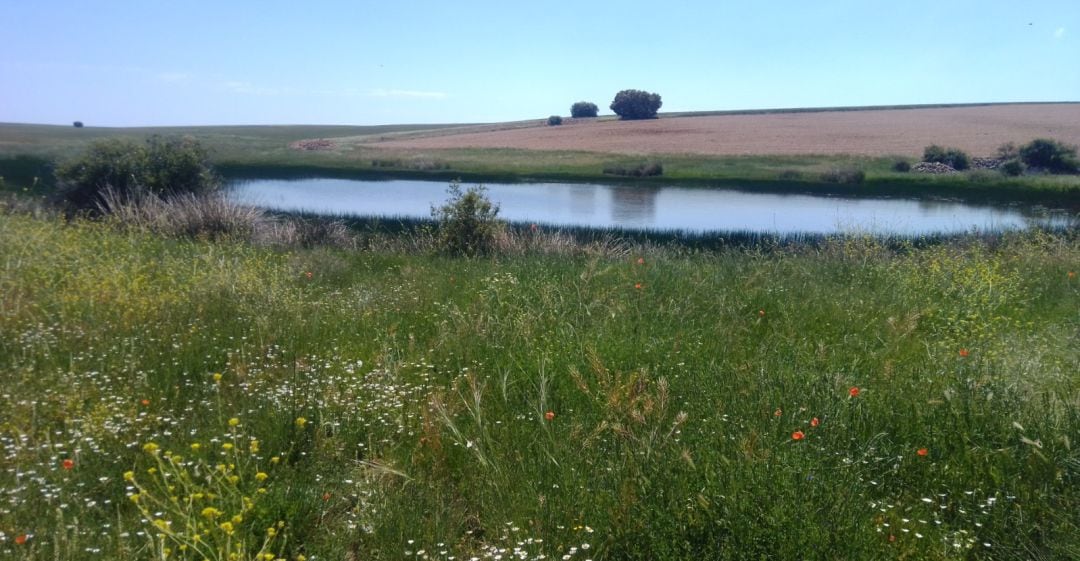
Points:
x=21 y=539
x=326 y=496
x=854 y=391
x=963 y=353
x=922 y=451
x=637 y=285
x=641 y=261
x=550 y=415
x=798 y=435
x=145 y=402
x=814 y=422
x=68 y=463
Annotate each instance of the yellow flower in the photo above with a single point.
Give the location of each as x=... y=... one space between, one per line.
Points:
x=253 y=446
x=210 y=512
x=237 y=519
x=261 y=476
x=226 y=527
x=161 y=524
x=234 y=422
x=275 y=460
x=271 y=531
x=234 y=479
x=134 y=497
x=217 y=377
x=129 y=476
x=268 y=556
x=300 y=422
x=150 y=448
x=195 y=446
x=227 y=446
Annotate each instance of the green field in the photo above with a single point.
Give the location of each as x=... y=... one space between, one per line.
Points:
x=175 y=399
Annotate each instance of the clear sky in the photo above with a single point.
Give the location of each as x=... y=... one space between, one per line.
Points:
x=157 y=62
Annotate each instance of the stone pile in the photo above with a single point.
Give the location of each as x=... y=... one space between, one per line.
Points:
x=313 y=144
x=935 y=168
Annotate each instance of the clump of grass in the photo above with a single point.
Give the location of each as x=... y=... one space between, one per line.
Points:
x=644 y=169
x=206 y=216
x=844 y=176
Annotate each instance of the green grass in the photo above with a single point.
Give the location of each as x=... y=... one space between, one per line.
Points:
x=675 y=382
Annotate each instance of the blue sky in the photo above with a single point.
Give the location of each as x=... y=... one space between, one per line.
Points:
x=152 y=62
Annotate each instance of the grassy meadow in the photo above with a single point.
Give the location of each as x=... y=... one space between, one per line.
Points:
x=169 y=398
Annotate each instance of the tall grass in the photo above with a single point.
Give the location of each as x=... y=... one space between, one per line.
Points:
x=847 y=399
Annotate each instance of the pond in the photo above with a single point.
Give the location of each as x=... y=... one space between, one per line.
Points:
x=647 y=207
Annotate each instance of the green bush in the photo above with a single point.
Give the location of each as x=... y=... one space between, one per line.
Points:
x=1012 y=167
x=158 y=166
x=583 y=109
x=554 y=120
x=1051 y=155
x=468 y=223
x=902 y=166
x=952 y=157
x=636 y=104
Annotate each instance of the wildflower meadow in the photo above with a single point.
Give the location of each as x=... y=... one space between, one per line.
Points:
x=169 y=398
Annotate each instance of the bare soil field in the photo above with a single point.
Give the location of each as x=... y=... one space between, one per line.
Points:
x=904 y=132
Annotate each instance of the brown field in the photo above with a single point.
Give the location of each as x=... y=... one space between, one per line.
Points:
x=977 y=130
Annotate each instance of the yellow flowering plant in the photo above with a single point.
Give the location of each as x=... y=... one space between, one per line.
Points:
x=203 y=507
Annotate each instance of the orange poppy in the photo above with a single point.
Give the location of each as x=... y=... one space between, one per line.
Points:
x=798 y=435
x=637 y=285
x=922 y=451
x=963 y=353
x=145 y=402
x=854 y=391
x=21 y=539
x=550 y=415
x=68 y=463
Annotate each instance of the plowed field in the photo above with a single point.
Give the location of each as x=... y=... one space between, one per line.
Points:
x=976 y=130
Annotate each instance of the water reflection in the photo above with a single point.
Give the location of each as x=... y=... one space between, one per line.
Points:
x=648 y=207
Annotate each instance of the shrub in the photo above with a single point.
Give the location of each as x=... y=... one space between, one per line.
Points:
x=848 y=176
x=952 y=157
x=206 y=216
x=1050 y=155
x=636 y=104
x=1008 y=151
x=1012 y=167
x=902 y=166
x=554 y=120
x=77 y=124
x=583 y=109
x=468 y=222
x=159 y=166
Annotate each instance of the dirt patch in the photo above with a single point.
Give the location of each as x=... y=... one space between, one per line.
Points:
x=904 y=132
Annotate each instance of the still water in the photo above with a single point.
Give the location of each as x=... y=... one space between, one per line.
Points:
x=641 y=207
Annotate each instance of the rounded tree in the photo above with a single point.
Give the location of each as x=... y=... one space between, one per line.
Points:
x=636 y=104
x=583 y=109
